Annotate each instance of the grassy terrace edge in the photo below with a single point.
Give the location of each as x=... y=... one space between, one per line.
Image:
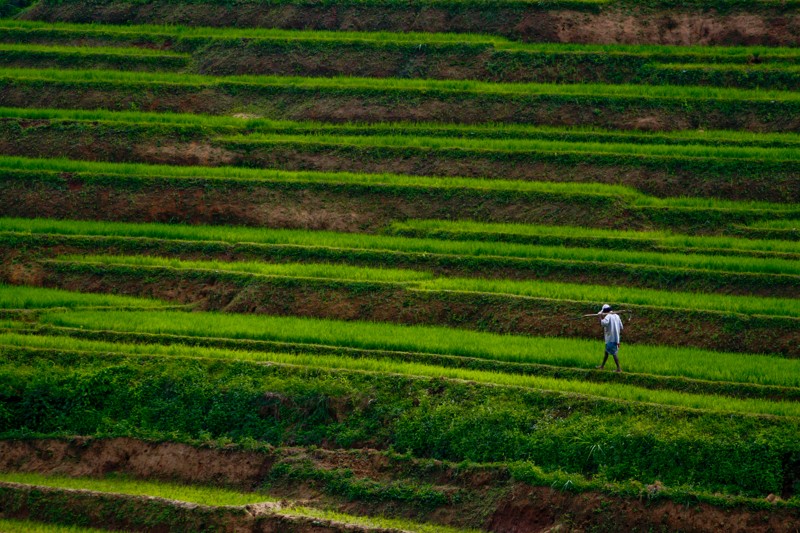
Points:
x=505 y=18
x=381 y=199
x=547 y=356
x=371 y=100
x=498 y=131
x=743 y=173
x=422 y=236
x=469 y=305
x=381 y=55
x=698 y=273
x=233 y=394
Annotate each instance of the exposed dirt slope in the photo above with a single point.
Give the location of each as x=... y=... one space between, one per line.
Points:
x=769 y=26
x=523 y=509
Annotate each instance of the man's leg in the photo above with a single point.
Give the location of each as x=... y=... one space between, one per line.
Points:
x=605 y=358
x=616 y=358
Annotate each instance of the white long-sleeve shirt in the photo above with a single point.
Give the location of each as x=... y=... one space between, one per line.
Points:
x=612 y=328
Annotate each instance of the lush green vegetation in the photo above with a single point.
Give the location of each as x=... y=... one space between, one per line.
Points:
x=82 y=50
x=228 y=51
x=416 y=281
x=793 y=225
x=292 y=270
x=125 y=485
x=13 y=297
x=242 y=366
x=454 y=231
x=609 y=192
x=190 y=34
x=353 y=84
x=586 y=148
x=105 y=394
x=661 y=360
x=455 y=131
x=467 y=230
x=613 y=391
x=622 y=295
x=349 y=241
x=28 y=526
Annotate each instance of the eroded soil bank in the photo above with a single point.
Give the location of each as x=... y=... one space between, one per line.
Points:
x=517 y=507
x=750 y=25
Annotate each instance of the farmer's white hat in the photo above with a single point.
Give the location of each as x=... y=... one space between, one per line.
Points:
x=606 y=308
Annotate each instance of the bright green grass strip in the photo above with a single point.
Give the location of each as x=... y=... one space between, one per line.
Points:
x=88 y=51
x=350 y=241
x=199 y=494
x=293 y=270
x=413 y=85
x=489 y=130
x=186 y=493
x=29 y=526
x=566 y=352
x=612 y=192
x=374 y=521
x=662 y=238
x=234 y=173
x=731 y=67
x=516 y=145
x=777 y=224
x=15 y=297
x=228 y=33
x=611 y=391
x=620 y=296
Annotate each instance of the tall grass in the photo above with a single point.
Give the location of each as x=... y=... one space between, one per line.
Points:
x=611 y=192
x=202 y=495
x=777 y=224
x=566 y=352
x=16 y=297
x=199 y=494
x=611 y=391
x=621 y=296
x=468 y=131
x=349 y=241
x=292 y=270
x=88 y=51
x=732 y=67
x=468 y=229
x=30 y=526
x=686 y=151
x=345 y=84
x=234 y=173
x=415 y=280
x=62 y=30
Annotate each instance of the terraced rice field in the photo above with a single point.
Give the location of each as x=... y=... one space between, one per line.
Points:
x=325 y=266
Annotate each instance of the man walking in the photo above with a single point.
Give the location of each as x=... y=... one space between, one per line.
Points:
x=612 y=329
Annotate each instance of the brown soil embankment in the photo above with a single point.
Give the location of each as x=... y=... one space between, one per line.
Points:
x=286 y=205
x=339 y=206
x=739 y=180
x=291 y=101
x=521 y=509
x=757 y=23
x=587 y=272
x=145 y=513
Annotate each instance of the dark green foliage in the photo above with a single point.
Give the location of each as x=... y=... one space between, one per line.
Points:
x=12 y=7
x=64 y=393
